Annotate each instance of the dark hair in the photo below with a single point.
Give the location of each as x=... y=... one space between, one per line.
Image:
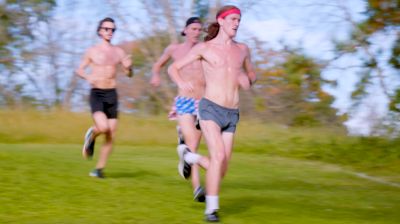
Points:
x=213 y=28
x=107 y=19
x=190 y=21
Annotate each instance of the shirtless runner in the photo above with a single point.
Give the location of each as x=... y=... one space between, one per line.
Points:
x=185 y=105
x=103 y=60
x=226 y=67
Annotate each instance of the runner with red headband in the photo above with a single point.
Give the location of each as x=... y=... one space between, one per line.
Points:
x=227 y=68
x=228 y=12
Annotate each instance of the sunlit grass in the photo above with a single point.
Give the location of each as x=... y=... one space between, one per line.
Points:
x=49 y=183
x=376 y=156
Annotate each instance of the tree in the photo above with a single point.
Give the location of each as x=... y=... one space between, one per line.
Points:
x=291 y=90
x=17 y=20
x=379 y=59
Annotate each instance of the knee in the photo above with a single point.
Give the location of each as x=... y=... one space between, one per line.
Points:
x=110 y=135
x=103 y=129
x=219 y=158
x=109 y=138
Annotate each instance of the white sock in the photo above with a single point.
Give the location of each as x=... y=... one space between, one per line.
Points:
x=212 y=204
x=192 y=158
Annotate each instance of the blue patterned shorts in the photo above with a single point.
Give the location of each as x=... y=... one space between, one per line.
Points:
x=186 y=105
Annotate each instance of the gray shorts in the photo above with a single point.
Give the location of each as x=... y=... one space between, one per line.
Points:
x=226 y=118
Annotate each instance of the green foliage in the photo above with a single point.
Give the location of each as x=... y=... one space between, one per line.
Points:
x=360 y=91
x=201 y=8
x=17 y=20
x=139 y=58
x=382 y=18
x=259 y=104
x=395 y=56
x=395 y=102
x=293 y=91
x=344 y=47
x=382 y=14
x=304 y=120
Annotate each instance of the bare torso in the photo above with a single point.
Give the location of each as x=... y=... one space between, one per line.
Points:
x=222 y=65
x=192 y=72
x=103 y=64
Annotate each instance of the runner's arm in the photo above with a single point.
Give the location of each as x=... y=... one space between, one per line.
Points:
x=80 y=71
x=248 y=66
x=155 y=77
x=173 y=70
x=126 y=61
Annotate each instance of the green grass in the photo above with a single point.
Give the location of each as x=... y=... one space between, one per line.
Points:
x=49 y=183
x=375 y=156
x=278 y=174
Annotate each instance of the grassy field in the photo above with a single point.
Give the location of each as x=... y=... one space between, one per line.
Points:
x=375 y=156
x=49 y=183
x=277 y=175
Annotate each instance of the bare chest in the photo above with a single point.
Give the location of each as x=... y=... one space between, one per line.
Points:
x=228 y=57
x=105 y=57
x=181 y=52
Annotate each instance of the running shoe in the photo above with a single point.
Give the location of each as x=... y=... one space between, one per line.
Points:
x=199 y=194
x=97 y=173
x=213 y=217
x=88 y=146
x=184 y=168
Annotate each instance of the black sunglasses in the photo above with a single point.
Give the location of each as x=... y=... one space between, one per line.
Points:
x=108 y=29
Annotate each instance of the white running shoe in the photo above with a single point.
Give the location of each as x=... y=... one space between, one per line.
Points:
x=184 y=168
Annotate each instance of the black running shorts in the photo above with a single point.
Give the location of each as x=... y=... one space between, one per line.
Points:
x=104 y=100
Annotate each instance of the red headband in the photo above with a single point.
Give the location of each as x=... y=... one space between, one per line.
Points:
x=228 y=12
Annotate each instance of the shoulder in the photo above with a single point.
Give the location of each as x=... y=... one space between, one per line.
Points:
x=91 y=51
x=171 y=48
x=242 y=46
x=200 y=46
x=119 y=50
